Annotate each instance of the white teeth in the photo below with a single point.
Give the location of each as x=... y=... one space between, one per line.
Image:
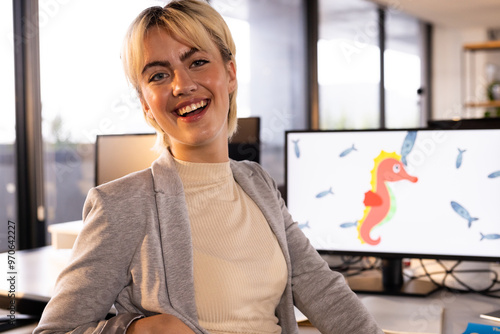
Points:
x=191 y=107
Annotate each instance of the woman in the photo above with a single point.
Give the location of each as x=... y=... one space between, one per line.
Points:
x=196 y=243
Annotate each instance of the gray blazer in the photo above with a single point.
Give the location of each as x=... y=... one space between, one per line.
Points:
x=135 y=252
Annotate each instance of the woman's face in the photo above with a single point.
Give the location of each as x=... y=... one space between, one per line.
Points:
x=187 y=92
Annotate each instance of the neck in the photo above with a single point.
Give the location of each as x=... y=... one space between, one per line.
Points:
x=206 y=153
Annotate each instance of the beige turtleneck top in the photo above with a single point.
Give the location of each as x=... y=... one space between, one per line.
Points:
x=239 y=269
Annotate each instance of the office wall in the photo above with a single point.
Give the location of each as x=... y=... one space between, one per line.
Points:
x=447 y=68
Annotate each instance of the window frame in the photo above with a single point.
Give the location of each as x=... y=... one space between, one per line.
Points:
x=29 y=155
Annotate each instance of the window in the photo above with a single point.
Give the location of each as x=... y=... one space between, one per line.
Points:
x=348 y=65
x=351 y=36
x=402 y=63
x=84 y=93
x=270 y=55
x=8 y=205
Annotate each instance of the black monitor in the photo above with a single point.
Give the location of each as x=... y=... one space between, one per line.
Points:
x=397 y=194
x=245 y=143
x=466 y=123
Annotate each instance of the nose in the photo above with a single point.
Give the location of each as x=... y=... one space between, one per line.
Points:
x=183 y=83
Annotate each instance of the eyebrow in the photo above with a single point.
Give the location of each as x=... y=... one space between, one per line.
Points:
x=165 y=63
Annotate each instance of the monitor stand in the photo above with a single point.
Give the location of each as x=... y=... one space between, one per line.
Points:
x=391 y=282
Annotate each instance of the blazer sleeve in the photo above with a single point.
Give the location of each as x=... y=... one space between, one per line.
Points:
x=320 y=293
x=98 y=270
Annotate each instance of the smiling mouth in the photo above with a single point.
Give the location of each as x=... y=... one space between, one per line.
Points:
x=192 y=109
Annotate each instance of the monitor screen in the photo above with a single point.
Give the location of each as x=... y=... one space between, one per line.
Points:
x=397 y=193
x=121 y=154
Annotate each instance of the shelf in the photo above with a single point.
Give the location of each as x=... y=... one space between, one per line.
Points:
x=487 y=104
x=470 y=79
x=491 y=45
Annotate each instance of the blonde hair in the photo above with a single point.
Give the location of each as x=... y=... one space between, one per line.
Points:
x=196 y=24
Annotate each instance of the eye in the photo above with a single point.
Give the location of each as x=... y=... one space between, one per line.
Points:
x=199 y=62
x=158 y=77
x=396 y=168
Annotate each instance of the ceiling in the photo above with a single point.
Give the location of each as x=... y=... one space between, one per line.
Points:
x=451 y=13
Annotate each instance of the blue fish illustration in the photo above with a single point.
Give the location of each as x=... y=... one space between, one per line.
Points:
x=408 y=145
x=324 y=193
x=347 y=151
x=349 y=224
x=463 y=212
x=296 y=147
x=306 y=224
x=492 y=236
x=494 y=174
x=459 y=158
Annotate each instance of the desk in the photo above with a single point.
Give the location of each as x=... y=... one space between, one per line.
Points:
x=36 y=274
x=22 y=330
x=459 y=309
x=37 y=271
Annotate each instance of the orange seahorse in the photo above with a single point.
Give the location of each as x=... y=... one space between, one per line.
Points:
x=388 y=168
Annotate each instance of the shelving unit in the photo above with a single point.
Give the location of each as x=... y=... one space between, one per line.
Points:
x=491 y=45
x=486 y=104
x=469 y=75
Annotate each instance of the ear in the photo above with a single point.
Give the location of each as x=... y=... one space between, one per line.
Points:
x=231 y=72
x=146 y=109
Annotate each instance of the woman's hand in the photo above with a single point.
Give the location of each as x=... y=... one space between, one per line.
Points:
x=161 y=323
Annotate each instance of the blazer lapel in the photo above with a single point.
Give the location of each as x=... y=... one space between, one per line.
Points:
x=175 y=234
x=261 y=192
x=254 y=185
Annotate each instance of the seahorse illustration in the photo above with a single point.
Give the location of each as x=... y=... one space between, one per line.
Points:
x=379 y=201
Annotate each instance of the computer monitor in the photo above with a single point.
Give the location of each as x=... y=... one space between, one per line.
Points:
x=245 y=143
x=397 y=194
x=121 y=154
x=470 y=123
x=117 y=155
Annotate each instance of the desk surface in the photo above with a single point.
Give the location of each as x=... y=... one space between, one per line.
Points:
x=37 y=271
x=459 y=309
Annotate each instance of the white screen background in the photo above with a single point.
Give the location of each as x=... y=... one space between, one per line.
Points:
x=424 y=221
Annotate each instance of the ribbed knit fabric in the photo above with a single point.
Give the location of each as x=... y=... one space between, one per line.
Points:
x=239 y=269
